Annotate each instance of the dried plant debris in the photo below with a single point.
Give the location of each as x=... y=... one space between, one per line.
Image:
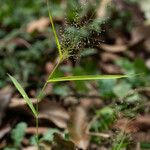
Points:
x=77 y=127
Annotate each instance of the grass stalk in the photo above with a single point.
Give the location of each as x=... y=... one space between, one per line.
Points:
x=40 y=96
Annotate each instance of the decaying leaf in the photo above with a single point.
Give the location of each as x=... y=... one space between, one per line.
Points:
x=77 y=127
x=61 y=144
x=38 y=25
x=54 y=113
x=19 y=102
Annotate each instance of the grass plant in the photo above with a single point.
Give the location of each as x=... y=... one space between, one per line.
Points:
x=62 y=55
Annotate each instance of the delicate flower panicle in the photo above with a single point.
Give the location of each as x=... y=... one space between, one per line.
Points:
x=77 y=36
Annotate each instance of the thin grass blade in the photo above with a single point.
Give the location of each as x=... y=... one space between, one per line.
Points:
x=54 y=31
x=86 y=77
x=24 y=95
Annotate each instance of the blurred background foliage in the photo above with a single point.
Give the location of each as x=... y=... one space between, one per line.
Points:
x=115 y=42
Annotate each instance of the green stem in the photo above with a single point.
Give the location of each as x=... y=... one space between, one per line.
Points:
x=37 y=123
x=37 y=132
x=39 y=97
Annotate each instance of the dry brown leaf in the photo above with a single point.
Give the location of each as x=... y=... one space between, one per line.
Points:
x=113 y=48
x=19 y=102
x=48 y=110
x=77 y=127
x=38 y=25
x=54 y=113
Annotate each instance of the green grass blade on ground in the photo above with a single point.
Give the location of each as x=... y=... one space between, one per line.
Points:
x=24 y=95
x=86 y=77
x=54 y=31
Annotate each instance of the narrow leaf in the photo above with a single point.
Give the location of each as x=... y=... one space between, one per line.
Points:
x=54 y=31
x=86 y=77
x=24 y=95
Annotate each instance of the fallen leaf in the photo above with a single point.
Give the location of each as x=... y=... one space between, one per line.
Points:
x=53 y=112
x=113 y=48
x=77 y=127
x=38 y=25
x=48 y=110
x=19 y=102
x=20 y=106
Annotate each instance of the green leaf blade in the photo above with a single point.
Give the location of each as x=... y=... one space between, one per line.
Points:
x=24 y=95
x=87 y=77
x=54 y=31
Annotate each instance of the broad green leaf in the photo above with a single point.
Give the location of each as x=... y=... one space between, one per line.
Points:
x=86 y=77
x=24 y=95
x=54 y=31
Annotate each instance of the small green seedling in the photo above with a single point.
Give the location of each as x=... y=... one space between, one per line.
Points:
x=63 y=54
